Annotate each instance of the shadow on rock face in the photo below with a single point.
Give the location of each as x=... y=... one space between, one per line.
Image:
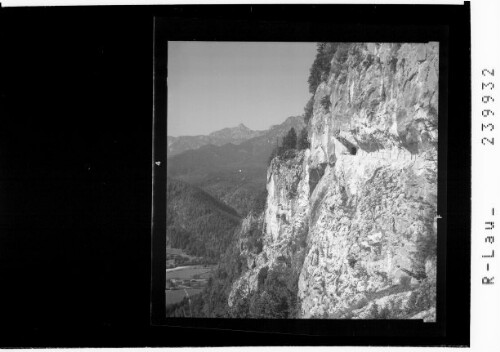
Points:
x=315 y=174
x=408 y=132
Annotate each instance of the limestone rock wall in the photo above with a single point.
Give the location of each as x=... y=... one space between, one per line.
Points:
x=282 y=225
x=365 y=192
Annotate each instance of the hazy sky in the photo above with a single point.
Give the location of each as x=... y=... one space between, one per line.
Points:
x=213 y=85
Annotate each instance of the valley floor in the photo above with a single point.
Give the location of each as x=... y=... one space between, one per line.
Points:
x=184 y=281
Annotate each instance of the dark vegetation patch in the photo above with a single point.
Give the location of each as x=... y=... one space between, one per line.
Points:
x=262 y=276
x=196 y=222
x=259 y=204
x=393 y=64
x=321 y=66
x=341 y=52
x=290 y=144
x=423 y=298
x=276 y=296
x=298 y=241
x=303 y=141
x=286 y=150
x=325 y=103
x=292 y=192
x=308 y=110
x=379 y=313
x=253 y=238
x=212 y=301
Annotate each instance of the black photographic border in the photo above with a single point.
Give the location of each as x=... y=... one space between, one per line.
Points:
x=448 y=25
x=76 y=154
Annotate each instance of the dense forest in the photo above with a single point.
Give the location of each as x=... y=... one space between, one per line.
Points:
x=276 y=296
x=196 y=222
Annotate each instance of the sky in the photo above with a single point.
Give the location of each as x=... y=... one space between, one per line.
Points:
x=213 y=85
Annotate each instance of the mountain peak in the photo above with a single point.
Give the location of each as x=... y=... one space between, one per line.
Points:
x=294 y=119
x=235 y=135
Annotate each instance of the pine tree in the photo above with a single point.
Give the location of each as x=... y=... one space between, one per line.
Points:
x=302 y=142
x=290 y=140
x=308 y=110
x=321 y=65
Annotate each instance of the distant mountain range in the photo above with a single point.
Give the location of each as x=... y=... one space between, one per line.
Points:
x=233 y=173
x=234 y=135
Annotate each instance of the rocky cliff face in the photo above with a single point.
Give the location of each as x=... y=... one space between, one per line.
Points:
x=354 y=216
x=283 y=225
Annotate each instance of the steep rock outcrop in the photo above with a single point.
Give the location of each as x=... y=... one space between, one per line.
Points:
x=283 y=225
x=364 y=196
x=371 y=231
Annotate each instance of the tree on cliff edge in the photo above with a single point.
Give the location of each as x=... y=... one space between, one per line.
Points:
x=302 y=142
x=321 y=65
x=290 y=140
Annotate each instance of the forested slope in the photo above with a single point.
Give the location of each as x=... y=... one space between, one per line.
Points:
x=197 y=222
